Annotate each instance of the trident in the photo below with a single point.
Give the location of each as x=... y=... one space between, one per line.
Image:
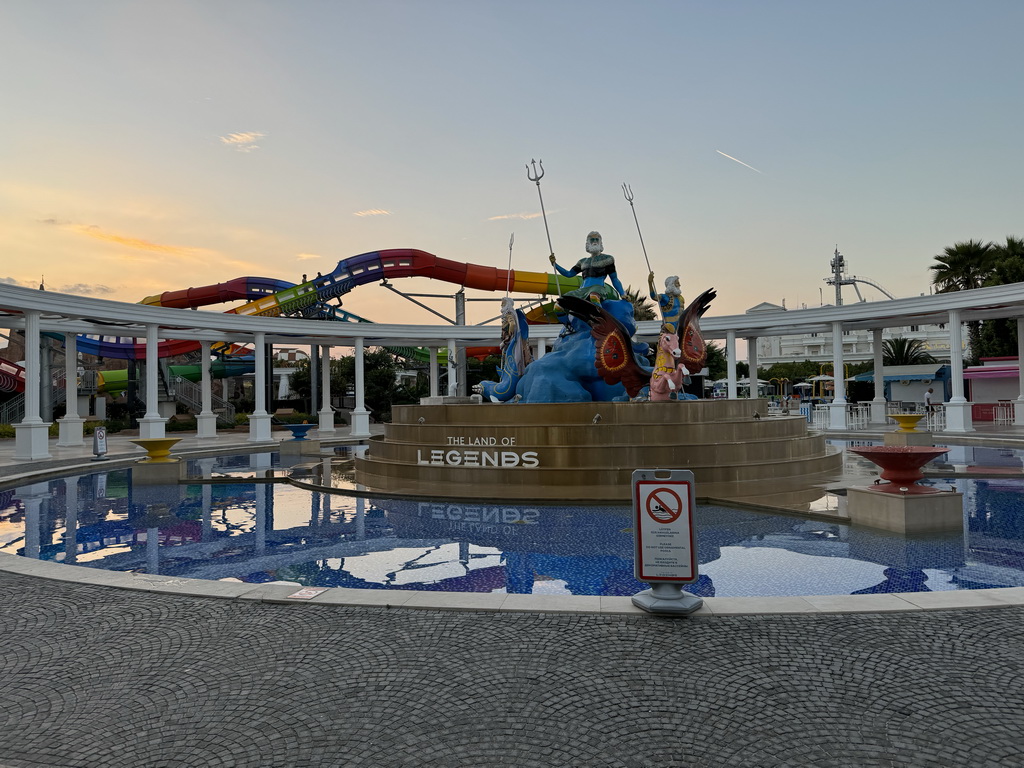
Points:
x=628 y=192
x=536 y=177
x=508 y=274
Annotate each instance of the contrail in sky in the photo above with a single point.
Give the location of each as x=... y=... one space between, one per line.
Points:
x=738 y=161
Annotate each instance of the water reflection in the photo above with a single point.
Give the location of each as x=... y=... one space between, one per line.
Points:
x=233 y=522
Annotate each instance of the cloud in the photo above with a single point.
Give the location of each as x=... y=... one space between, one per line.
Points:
x=308 y=256
x=135 y=243
x=243 y=142
x=524 y=216
x=91 y=230
x=12 y=281
x=84 y=289
x=372 y=212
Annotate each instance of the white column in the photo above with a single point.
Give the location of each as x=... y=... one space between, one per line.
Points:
x=206 y=420
x=453 y=384
x=878 y=402
x=206 y=468
x=326 y=424
x=752 y=365
x=1018 y=411
x=837 y=409
x=33 y=497
x=153 y=551
x=542 y=348
x=152 y=424
x=958 y=410
x=259 y=419
x=31 y=436
x=360 y=416
x=71 y=427
x=730 y=361
x=70 y=520
x=260 y=521
x=434 y=372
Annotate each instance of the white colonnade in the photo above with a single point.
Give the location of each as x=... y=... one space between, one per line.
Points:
x=27 y=310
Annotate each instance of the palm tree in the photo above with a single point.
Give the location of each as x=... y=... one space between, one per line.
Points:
x=642 y=308
x=902 y=351
x=1008 y=262
x=961 y=267
x=998 y=336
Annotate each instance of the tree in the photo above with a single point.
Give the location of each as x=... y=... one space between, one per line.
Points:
x=903 y=351
x=961 y=267
x=1007 y=262
x=379 y=371
x=642 y=307
x=717 y=364
x=998 y=337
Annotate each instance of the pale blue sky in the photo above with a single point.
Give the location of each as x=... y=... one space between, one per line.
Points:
x=151 y=146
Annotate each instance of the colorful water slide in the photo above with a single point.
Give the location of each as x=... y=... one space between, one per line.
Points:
x=372 y=267
x=241 y=288
x=270 y=297
x=12 y=377
x=115 y=382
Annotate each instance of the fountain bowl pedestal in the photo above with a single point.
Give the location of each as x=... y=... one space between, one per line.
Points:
x=901 y=504
x=908 y=433
x=159 y=467
x=299 y=445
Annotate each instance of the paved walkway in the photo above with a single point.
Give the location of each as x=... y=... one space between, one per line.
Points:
x=96 y=676
x=93 y=675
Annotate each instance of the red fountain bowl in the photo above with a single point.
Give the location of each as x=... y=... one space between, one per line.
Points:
x=901 y=466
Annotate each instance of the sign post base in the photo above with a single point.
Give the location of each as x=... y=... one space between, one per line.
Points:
x=667 y=598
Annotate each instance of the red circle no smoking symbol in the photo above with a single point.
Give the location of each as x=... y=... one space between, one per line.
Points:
x=664 y=505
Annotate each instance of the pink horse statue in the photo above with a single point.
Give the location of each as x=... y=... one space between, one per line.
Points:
x=669 y=374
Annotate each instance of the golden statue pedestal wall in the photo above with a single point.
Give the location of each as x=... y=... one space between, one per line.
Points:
x=588 y=451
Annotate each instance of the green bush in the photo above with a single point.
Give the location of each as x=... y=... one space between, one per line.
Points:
x=296 y=418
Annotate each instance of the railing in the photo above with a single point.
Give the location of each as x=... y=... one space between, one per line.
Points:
x=13 y=411
x=1003 y=413
x=60 y=391
x=190 y=394
x=935 y=419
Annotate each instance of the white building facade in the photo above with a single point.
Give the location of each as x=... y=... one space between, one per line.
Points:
x=858 y=344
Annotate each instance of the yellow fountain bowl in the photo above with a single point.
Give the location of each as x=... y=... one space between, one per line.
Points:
x=907 y=421
x=158 y=448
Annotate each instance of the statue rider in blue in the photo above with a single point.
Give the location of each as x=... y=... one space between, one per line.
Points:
x=594 y=268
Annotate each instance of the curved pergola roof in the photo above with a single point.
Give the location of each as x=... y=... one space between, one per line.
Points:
x=87 y=315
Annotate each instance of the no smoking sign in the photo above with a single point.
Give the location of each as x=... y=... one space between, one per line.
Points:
x=663 y=503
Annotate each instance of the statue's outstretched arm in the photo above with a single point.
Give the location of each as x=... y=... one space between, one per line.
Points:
x=614 y=277
x=561 y=271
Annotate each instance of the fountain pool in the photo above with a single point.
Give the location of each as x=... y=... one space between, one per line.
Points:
x=237 y=525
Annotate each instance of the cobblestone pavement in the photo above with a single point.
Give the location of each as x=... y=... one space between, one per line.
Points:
x=95 y=676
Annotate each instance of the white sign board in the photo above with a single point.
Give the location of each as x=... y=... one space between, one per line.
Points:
x=663 y=504
x=99 y=441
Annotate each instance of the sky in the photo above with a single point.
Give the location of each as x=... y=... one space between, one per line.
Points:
x=153 y=146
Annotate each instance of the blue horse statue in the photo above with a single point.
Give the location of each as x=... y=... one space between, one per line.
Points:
x=569 y=372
